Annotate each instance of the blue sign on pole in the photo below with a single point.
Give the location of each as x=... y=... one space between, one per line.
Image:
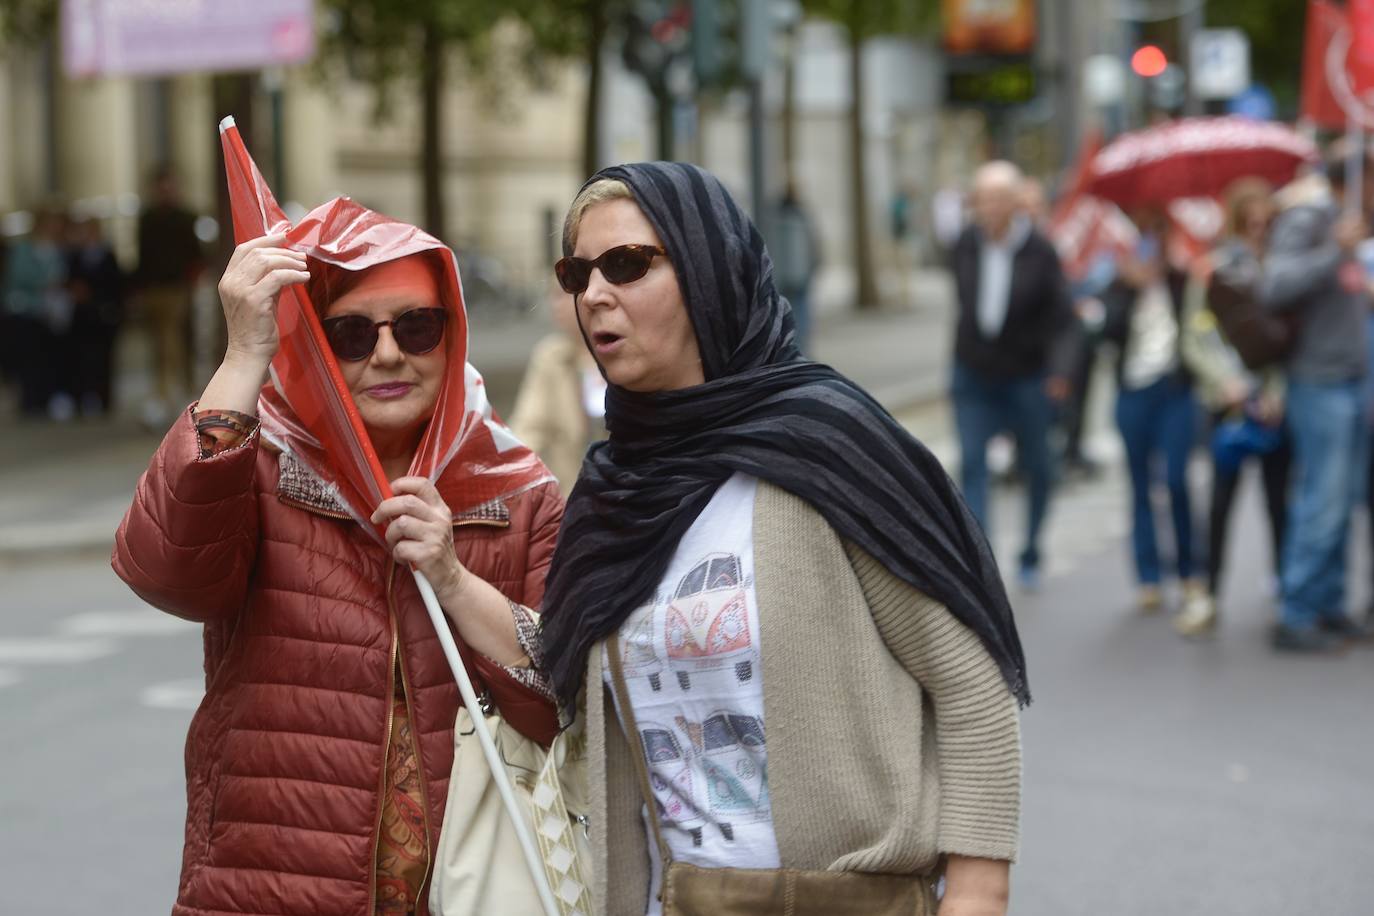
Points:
x=1257 y=102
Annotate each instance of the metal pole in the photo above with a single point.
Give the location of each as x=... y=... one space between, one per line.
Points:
x=755 y=56
x=1189 y=24
x=758 y=195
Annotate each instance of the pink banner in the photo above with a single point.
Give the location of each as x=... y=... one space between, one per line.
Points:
x=153 y=37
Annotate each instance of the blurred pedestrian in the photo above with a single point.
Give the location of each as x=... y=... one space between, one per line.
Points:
x=1156 y=411
x=561 y=406
x=169 y=260
x=1311 y=272
x=1082 y=341
x=796 y=256
x=1012 y=343
x=906 y=227
x=97 y=291
x=37 y=310
x=318 y=763
x=758 y=540
x=1246 y=406
x=947 y=216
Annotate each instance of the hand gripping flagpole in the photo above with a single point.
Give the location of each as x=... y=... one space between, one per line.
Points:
x=255 y=213
x=533 y=859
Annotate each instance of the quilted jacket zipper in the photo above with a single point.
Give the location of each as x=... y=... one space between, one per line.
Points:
x=419 y=765
x=386 y=746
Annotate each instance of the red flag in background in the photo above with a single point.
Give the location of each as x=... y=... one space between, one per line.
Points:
x=1319 y=105
x=1360 y=64
x=306 y=408
x=1085 y=228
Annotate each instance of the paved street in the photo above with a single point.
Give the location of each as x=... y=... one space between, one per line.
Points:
x=1162 y=776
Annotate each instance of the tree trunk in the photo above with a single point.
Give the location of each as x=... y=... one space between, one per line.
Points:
x=866 y=291
x=591 y=120
x=431 y=129
x=663 y=102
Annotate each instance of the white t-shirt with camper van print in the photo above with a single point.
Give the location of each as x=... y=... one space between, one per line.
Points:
x=693 y=672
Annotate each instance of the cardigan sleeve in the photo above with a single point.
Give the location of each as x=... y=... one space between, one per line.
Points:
x=977 y=722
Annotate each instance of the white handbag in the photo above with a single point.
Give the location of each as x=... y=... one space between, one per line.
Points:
x=480 y=869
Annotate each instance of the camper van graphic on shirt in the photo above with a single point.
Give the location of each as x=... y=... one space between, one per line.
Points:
x=707 y=624
x=705 y=627
x=694 y=676
x=691 y=664
x=719 y=775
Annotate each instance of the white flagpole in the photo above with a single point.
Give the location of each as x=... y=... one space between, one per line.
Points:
x=1354 y=178
x=533 y=860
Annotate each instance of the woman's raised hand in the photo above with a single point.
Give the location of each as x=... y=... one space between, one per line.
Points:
x=257 y=273
x=419 y=533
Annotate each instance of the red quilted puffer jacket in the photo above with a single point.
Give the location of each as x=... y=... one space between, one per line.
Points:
x=304 y=617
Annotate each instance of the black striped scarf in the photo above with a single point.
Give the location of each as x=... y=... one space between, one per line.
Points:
x=765 y=411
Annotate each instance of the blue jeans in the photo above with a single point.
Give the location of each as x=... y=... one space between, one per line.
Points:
x=1159 y=420
x=1331 y=450
x=983 y=407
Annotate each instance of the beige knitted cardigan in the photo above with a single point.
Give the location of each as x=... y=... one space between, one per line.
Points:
x=892 y=737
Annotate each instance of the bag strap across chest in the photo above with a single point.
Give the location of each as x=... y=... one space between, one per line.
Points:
x=627 y=711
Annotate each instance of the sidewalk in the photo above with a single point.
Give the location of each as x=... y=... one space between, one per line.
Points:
x=65 y=487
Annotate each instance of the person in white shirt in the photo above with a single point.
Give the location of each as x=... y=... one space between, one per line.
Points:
x=1156 y=410
x=785 y=629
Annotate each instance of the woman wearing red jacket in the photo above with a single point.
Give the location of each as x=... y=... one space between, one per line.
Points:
x=318 y=762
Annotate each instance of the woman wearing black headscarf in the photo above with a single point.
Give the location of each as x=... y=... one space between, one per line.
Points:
x=800 y=625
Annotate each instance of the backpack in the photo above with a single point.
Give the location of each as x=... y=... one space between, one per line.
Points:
x=1260 y=336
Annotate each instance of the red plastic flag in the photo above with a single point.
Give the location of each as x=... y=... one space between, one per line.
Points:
x=1319 y=105
x=306 y=408
x=1360 y=63
x=1085 y=228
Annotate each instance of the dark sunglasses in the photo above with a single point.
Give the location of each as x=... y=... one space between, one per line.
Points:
x=621 y=264
x=354 y=337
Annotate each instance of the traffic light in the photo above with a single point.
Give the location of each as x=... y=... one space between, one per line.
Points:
x=1149 y=61
x=655 y=34
x=707 y=59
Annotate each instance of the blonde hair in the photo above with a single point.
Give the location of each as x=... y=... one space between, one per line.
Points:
x=1240 y=195
x=595 y=193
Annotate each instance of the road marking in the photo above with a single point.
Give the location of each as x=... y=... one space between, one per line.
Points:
x=185 y=694
x=45 y=651
x=138 y=622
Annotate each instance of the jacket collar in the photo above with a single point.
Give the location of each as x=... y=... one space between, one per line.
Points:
x=298 y=486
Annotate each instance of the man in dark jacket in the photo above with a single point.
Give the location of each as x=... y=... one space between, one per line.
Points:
x=1011 y=344
x=1312 y=273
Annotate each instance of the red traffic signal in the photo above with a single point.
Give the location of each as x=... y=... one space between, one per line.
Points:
x=1148 y=61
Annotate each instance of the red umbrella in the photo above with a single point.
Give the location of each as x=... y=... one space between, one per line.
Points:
x=1195 y=157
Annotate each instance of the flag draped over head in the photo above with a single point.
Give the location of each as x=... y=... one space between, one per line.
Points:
x=306 y=408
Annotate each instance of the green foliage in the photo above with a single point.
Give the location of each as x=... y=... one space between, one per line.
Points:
x=27 y=20
x=1275 y=29
x=871 y=18
x=380 y=40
